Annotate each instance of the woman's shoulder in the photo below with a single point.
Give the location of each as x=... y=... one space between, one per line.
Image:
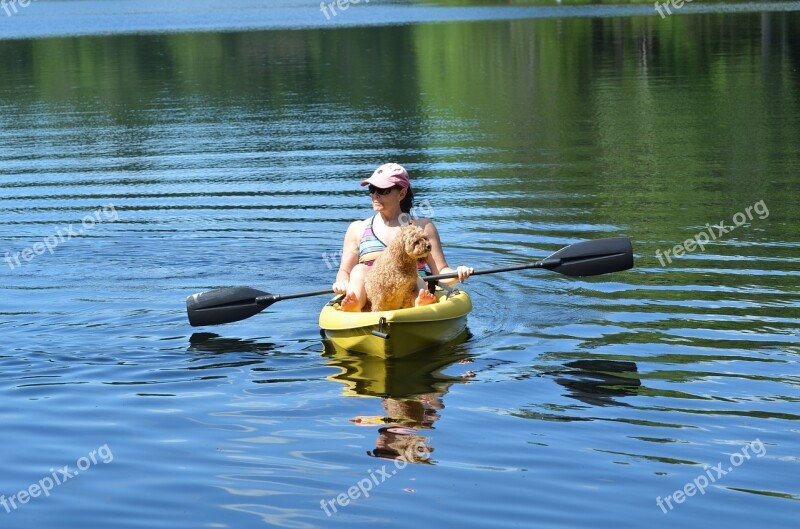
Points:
x=422 y=222
x=357 y=227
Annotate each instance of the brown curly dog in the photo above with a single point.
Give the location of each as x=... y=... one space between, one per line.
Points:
x=392 y=282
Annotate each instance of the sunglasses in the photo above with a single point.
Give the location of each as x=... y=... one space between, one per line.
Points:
x=380 y=191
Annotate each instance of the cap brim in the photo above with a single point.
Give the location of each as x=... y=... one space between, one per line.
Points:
x=367 y=182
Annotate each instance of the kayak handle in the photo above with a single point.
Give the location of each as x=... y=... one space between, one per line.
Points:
x=379 y=331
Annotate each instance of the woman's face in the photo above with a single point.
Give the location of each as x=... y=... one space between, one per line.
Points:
x=387 y=202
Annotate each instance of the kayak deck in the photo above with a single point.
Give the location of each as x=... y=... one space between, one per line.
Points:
x=401 y=332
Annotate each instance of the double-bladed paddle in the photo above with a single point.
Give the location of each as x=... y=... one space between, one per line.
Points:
x=589 y=258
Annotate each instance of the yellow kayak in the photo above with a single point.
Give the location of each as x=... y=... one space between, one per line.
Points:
x=397 y=333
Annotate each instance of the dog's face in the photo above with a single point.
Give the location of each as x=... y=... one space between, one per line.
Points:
x=415 y=242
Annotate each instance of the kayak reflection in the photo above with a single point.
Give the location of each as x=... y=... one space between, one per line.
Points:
x=411 y=390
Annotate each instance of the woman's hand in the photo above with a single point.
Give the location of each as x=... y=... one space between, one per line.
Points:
x=464 y=272
x=340 y=287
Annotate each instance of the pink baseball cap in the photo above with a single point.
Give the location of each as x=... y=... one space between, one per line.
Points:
x=388 y=175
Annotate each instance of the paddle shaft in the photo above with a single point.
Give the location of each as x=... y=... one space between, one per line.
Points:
x=269 y=300
x=548 y=263
x=265 y=300
x=537 y=264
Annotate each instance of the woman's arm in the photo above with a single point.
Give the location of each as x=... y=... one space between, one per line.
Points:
x=349 y=256
x=436 y=260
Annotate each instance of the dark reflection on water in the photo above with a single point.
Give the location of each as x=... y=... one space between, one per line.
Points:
x=234 y=159
x=209 y=342
x=599 y=382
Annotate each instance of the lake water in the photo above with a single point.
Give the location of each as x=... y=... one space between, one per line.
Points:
x=156 y=166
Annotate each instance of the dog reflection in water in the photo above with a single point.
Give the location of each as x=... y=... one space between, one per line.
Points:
x=400 y=439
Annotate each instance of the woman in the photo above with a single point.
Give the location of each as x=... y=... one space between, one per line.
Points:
x=391 y=194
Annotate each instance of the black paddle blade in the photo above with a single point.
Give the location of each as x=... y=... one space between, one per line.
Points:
x=592 y=258
x=224 y=305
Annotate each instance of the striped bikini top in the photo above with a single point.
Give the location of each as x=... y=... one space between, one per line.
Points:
x=370 y=246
